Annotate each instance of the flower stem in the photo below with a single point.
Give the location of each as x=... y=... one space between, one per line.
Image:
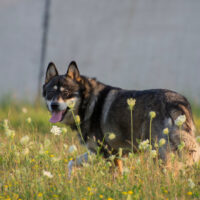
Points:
x=78 y=126
x=132 y=128
x=150 y=131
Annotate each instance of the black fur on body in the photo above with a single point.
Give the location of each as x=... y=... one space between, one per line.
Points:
x=103 y=109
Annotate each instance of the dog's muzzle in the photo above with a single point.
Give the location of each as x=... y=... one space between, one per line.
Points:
x=58 y=111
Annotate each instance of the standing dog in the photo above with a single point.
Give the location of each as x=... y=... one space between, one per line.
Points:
x=103 y=109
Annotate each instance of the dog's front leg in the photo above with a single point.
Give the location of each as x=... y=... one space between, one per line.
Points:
x=77 y=162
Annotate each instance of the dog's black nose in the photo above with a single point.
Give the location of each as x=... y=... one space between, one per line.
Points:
x=54 y=106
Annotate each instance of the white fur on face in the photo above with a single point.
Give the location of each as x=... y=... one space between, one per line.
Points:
x=49 y=104
x=62 y=89
x=62 y=104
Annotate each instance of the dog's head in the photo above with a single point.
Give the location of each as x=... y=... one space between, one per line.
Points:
x=60 y=91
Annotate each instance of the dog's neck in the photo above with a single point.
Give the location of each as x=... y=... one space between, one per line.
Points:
x=94 y=87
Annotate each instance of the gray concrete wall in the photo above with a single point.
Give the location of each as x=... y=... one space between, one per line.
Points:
x=134 y=44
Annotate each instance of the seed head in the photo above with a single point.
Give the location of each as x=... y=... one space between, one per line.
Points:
x=180 y=120
x=28 y=120
x=71 y=104
x=166 y=131
x=111 y=136
x=78 y=120
x=131 y=103
x=162 y=141
x=152 y=114
x=153 y=153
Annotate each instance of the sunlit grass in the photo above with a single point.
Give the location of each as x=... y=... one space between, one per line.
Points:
x=33 y=165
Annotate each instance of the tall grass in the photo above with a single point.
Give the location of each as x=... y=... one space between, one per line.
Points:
x=23 y=161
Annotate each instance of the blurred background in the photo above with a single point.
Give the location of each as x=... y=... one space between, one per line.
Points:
x=134 y=44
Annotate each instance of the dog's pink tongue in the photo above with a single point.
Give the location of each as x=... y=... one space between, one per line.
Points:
x=56 y=117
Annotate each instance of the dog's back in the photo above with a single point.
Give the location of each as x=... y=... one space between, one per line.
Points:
x=167 y=105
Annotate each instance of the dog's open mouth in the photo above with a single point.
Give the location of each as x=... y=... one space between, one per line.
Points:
x=58 y=116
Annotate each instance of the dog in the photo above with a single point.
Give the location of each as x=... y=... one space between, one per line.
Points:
x=103 y=109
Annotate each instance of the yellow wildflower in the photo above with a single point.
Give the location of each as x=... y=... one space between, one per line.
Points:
x=40 y=194
x=130 y=192
x=89 y=189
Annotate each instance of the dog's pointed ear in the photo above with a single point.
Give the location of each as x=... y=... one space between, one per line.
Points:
x=51 y=72
x=73 y=71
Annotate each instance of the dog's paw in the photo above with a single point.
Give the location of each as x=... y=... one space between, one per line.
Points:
x=70 y=168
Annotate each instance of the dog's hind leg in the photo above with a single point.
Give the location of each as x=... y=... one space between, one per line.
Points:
x=77 y=162
x=191 y=149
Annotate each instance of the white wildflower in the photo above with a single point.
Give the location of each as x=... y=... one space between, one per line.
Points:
x=180 y=120
x=48 y=174
x=72 y=149
x=24 y=110
x=25 y=151
x=144 y=145
x=111 y=136
x=56 y=130
x=162 y=141
x=24 y=140
x=153 y=153
x=112 y=157
x=64 y=130
x=126 y=170
x=10 y=133
x=191 y=183
x=28 y=120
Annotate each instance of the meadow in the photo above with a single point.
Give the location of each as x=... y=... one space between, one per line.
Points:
x=34 y=159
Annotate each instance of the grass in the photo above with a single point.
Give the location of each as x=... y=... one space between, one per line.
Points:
x=23 y=162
